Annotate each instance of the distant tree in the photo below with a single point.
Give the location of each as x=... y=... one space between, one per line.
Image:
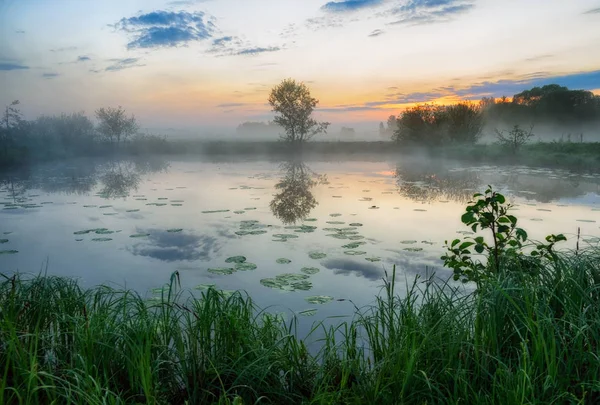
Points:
x=392 y=124
x=421 y=125
x=464 y=122
x=514 y=139
x=346 y=132
x=294 y=106
x=115 y=125
x=12 y=119
x=382 y=130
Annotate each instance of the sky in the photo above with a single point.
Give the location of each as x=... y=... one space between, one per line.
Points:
x=188 y=64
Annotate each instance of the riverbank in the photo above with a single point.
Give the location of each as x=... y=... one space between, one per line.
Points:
x=515 y=342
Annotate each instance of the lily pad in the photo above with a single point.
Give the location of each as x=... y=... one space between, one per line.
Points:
x=285 y=236
x=105 y=206
x=335 y=215
x=291 y=277
x=355 y=252
x=301 y=285
x=245 y=266
x=135 y=210
x=239 y=212
x=353 y=245
x=283 y=260
x=3 y=240
x=319 y=299
x=139 y=235
x=176 y=205
x=419 y=210
x=373 y=259
x=544 y=209
x=271 y=283
x=8 y=252
x=103 y=232
x=205 y=286
x=109 y=213
x=162 y=198
x=214 y=211
x=310 y=270
x=101 y=239
x=78 y=240
x=373 y=207
x=356 y=237
x=221 y=270
x=250 y=209
x=306 y=229
x=537 y=219
x=413 y=249
x=585 y=220
x=408 y=242
x=335 y=222
x=235 y=259
x=317 y=255
x=177 y=201
x=89 y=206
x=310 y=220
x=141 y=199
x=174 y=230
x=355 y=224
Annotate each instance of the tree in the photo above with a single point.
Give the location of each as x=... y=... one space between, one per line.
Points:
x=392 y=124
x=464 y=122
x=294 y=200
x=514 y=139
x=382 y=130
x=11 y=120
x=294 y=105
x=114 y=124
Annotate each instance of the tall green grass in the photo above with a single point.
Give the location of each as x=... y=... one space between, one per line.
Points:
x=513 y=342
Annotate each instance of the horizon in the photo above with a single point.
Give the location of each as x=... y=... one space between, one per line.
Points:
x=190 y=65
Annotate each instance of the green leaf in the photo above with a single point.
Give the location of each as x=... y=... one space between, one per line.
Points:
x=467 y=218
x=465 y=245
x=479 y=239
x=479 y=248
x=500 y=198
x=455 y=242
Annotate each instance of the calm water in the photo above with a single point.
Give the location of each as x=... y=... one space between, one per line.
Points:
x=191 y=216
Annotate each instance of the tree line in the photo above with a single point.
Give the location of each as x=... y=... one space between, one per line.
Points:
x=72 y=134
x=464 y=122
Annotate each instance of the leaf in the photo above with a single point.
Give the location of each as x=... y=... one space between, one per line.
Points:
x=479 y=248
x=455 y=242
x=465 y=245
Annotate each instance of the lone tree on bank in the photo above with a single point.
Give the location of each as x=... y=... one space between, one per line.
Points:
x=294 y=105
x=115 y=125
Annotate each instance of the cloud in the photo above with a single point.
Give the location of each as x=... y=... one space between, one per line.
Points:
x=257 y=50
x=233 y=45
x=429 y=11
x=20 y=32
x=349 y=5
x=83 y=59
x=376 y=33
x=65 y=49
x=166 y=28
x=12 y=66
x=120 y=64
x=184 y=3
x=50 y=75
x=593 y=11
x=580 y=80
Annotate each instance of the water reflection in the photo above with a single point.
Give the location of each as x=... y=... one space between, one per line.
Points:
x=116 y=178
x=171 y=247
x=294 y=200
x=428 y=181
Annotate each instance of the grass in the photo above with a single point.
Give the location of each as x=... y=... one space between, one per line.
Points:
x=512 y=342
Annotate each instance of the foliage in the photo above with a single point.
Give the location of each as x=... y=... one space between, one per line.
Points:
x=515 y=139
x=63 y=135
x=514 y=342
x=12 y=122
x=489 y=211
x=432 y=125
x=114 y=124
x=294 y=105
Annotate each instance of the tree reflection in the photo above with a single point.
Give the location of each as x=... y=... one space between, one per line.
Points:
x=427 y=181
x=115 y=178
x=294 y=199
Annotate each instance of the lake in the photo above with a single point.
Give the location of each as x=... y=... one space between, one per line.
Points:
x=305 y=228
